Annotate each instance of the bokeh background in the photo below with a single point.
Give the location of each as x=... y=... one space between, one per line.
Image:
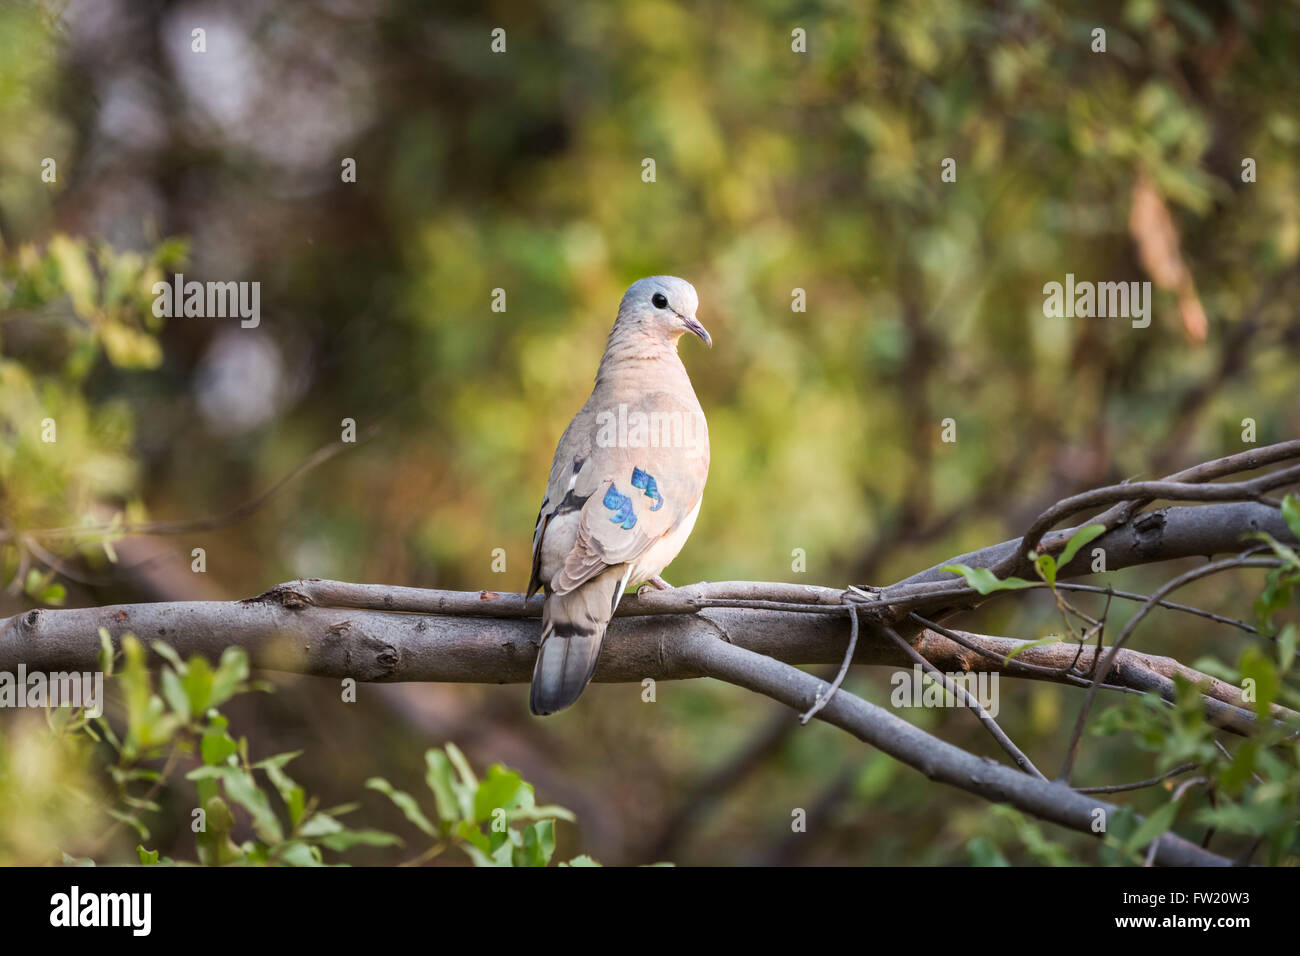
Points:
x=775 y=171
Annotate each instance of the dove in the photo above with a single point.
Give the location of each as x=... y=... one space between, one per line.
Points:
x=625 y=487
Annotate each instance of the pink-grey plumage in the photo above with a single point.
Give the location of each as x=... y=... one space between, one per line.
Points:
x=625 y=486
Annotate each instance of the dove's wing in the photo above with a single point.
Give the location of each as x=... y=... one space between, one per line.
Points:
x=571 y=456
x=634 y=476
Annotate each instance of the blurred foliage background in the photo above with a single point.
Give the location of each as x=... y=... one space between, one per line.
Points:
x=776 y=170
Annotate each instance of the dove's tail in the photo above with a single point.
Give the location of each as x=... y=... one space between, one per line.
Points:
x=573 y=627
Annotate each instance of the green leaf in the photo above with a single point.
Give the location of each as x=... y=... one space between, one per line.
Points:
x=105 y=652
x=1030 y=834
x=1049 y=639
x=405 y=802
x=242 y=788
x=1256 y=818
x=539 y=843
x=504 y=855
x=1046 y=566
x=1286 y=642
x=466 y=786
x=1236 y=775
x=319 y=824
x=347 y=839
x=297 y=853
x=497 y=836
x=148 y=723
x=174 y=694
x=168 y=653
x=255 y=852
x=216 y=746
x=478 y=857
x=984 y=581
x=474 y=836
x=1078 y=540
x=1283 y=551
x=35 y=583
x=58 y=718
x=107 y=730
x=581 y=860
x=438 y=776
x=232 y=671
x=1254 y=665
x=121 y=272
x=546 y=812
x=147 y=857
x=294 y=797
x=462 y=766
x=1291 y=514
x=130 y=820
x=75 y=273
x=199 y=681
x=983 y=852
x=500 y=788
x=1275 y=596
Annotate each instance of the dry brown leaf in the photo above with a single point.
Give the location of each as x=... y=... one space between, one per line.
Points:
x=1152 y=227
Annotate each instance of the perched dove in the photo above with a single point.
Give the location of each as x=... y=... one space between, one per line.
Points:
x=625 y=487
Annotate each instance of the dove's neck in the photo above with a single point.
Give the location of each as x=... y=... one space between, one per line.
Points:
x=633 y=354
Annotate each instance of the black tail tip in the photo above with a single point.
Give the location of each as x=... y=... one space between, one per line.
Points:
x=543 y=702
x=565 y=664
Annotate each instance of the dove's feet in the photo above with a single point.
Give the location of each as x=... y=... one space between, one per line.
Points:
x=656 y=582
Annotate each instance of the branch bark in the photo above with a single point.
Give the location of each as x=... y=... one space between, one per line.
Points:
x=490 y=637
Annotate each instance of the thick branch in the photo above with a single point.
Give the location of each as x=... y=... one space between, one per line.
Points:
x=285 y=629
x=1160 y=535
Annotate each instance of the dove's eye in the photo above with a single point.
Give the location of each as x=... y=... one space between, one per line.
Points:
x=659 y=300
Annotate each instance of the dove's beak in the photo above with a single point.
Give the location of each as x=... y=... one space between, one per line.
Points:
x=693 y=324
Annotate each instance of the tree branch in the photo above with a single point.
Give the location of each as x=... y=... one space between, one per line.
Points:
x=938 y=760
x=747 y=633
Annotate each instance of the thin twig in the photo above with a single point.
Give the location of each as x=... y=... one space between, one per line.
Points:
x=1252 y=490
x=821 y=700
x=969 y=700
x=1170 y=605
x=1140 y=784
x=1206 y=471
x=1014 y=663
x=1178 y=795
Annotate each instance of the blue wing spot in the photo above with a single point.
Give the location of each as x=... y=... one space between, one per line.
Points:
x=643 y=480
x=621 y=505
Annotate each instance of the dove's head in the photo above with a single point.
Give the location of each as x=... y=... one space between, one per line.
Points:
x=661 y=308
